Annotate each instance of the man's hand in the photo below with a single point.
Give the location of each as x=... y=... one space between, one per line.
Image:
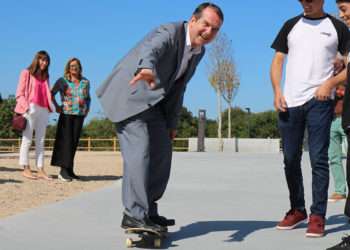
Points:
x=280 y=103
x=172 y=134
x=146 y=75
x=323 y=92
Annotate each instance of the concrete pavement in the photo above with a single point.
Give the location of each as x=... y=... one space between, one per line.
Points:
x=219 y=200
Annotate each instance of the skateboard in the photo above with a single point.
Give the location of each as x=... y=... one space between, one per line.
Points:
x=146 y=237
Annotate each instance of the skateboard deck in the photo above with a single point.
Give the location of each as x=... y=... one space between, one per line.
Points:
x=145 y=237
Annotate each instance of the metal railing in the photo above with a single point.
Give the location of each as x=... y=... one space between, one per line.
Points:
x=85 y=144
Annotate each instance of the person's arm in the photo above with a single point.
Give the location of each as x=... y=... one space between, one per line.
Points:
x=276 y=78
x=324 y=91
x=280 y=45
x=153 y=47
x=338 y=64
x=88 y=98
x=57 y=86
x=21 y=88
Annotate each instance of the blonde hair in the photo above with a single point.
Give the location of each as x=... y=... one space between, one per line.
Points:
x=67 y=72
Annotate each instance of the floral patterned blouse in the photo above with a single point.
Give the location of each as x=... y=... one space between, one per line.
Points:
x=75 y=98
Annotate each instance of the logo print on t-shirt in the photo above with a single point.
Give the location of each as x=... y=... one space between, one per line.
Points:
x=326 y=33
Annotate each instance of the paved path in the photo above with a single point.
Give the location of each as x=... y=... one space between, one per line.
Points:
x=220 y=201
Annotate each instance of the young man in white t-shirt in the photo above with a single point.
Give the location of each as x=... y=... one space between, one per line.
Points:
x=311 y=42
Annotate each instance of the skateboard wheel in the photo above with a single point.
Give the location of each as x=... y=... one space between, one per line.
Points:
x=157 y=243
x=129 y=243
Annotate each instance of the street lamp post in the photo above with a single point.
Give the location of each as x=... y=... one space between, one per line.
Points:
x=201 y=130
x=248 y=110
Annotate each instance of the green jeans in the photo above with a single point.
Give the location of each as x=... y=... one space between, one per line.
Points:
x=335 y=154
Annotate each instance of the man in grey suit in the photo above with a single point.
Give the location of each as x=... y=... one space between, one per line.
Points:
x=143 y=96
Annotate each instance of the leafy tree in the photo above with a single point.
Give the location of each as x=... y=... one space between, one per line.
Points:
x=188 y=125
x=238 y=118
x=211 y=129
x=264 y=125
x=6 y=112
x=261 y=125
x=99 y=128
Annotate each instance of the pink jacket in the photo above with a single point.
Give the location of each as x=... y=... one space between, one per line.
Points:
x=25 y=93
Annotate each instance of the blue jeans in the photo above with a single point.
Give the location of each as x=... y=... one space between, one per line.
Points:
x=316 y=117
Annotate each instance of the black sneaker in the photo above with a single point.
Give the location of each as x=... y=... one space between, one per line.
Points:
x=64 y=176
x=163 y=221
x=343 y=245
x=72 y=174
x=130 y=222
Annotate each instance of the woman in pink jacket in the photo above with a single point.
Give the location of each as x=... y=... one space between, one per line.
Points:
x=33 y=98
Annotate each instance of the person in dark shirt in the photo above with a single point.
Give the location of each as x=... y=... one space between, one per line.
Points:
x=75 y=99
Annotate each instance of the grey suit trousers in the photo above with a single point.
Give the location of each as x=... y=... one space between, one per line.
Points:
x=146 y=150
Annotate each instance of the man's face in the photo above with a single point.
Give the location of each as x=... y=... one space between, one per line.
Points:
x=344 y=12
x=312 y=7
x=204 y=29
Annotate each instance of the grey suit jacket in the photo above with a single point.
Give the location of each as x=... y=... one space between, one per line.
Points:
x=162 y=51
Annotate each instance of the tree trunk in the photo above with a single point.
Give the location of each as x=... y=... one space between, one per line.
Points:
x=221 y=143
x=229 y=122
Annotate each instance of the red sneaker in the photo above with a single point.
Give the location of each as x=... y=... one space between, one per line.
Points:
x=315 y=226
x=292 y=219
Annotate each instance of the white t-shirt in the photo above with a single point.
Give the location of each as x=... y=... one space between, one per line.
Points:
x=312 y=46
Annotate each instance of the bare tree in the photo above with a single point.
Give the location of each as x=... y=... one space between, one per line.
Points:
x=231 y=85
x=222 y=76
x=215 y=81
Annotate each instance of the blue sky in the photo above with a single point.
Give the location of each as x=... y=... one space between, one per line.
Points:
x=101 y=32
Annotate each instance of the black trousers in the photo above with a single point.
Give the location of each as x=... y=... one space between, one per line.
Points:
x=67 y=139
x=347 y=203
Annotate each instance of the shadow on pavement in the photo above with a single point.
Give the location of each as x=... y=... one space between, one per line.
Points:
x=4 y=181
x=7 y=169
x=241 y=229
x=100 y=178
x=335 y=220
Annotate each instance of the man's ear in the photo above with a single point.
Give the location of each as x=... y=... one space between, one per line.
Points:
x=193 y=19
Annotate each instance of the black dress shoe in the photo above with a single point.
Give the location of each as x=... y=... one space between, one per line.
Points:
x=163 y=221
x=64 y=175
x=73 y=175
x=130 y=222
